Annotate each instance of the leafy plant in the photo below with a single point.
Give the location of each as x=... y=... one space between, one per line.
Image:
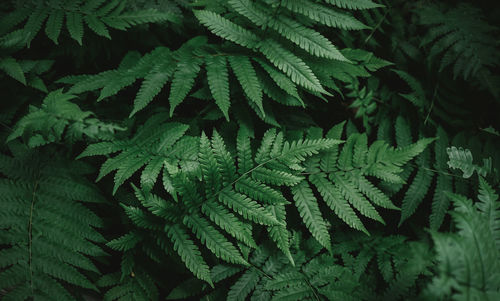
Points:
x=47 y=230
x=473 y=251
x=249 y=150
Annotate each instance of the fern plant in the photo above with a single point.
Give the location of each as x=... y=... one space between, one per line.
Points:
x=271 y=277
x=96 y=14
x=207 y=126
x=461 y=38
x=343 y=180
x=263 y=61
x=402 y=264
x=26 y=71
x=429 y=166
x=49 y=234
x=469 y=259
x=210 y=190
x=57 y=117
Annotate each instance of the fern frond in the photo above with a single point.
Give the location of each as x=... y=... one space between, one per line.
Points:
x=151 y=86
x=213 y=239
x=291 y=65
x=259 y=191
x=51 y=265
x=12 y=68
x=402 y=155
x=324 y=15
x=138 y=285
x=348 y=184
x=155 y=140
x=189 y=253
x=183 y=81
x=97 y=16
x=440 y=202
x=125 y=242
x=226 y=29
x=355 y=4
x=279 y=234
x=357 y=200
x=418 y=188
x=58 y=116
x=246 y=207
x=489 y=207
x=218 y=81
x=334 y=199
x=462 y=37
x=417 y=96
x=243 y=286
x=228 y=222
x=309 y=211
x=251 y=10
x=246 y=75
x=307 y=39
x=473 y=250
x=280 y=79
x=244 y=151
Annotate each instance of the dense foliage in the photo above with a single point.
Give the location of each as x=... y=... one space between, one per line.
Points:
x=249 y=150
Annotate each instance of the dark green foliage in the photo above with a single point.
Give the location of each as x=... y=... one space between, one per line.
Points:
x=50 y=235
x=469 y=260
x=249 y=150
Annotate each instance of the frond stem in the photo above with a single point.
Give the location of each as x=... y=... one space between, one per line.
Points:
x=30 y=235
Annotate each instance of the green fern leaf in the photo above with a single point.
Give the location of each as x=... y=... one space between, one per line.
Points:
x=357 y=200
x=228 y=222
x=214 y=240
x=259 y=191
x=189 y=253
x=402 y=155
x=355 y=4
x=280 y=79
x=490 y=207
x=13 y=69
x=97 y=26
x=152 y=85
x=35 y=265
x=54 y=25
x=246 y=75
x=307 y=39
x=182 y=82
x=275 y=177
x=418 y=188
x=292 y=65
x=154 y=144
x=74 y=22
x=34 y=23
x=250 y=10
x=245 y=284
x=324 y=15
x=279 y=234
x=440 y=202
x=336 y=202
x=221 y=272
x=209 y=167
x=151 y=172
x=218 y=81
x=247 y=208
x=125 y=242
x=309 y=211
x=226 y=29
